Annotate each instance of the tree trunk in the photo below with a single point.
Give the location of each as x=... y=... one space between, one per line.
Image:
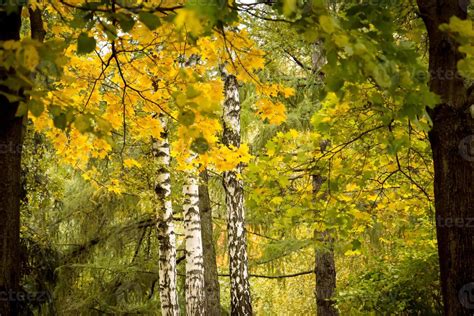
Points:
x=325 y=266
x=10 y=183
x=36 y=24
x=239 y=277
x=211 y=279
x=194 y=255
x=325 y=276
x=451 y=138
x=166 y=234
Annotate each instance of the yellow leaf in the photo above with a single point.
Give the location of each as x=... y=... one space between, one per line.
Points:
x=327 y=23
x=273 y=112
x=341 y=40
x=289 y=6
x=352 y=187
x=189 y=20
x=130 y=163
x=30 y=57
x=277 y=200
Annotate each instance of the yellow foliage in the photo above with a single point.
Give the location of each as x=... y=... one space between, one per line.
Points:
x=275 y=113
x=189 y=21
x=130 y=163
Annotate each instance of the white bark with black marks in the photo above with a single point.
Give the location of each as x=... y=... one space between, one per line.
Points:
x=194 y=252
x=166 y=232
x=241 y=303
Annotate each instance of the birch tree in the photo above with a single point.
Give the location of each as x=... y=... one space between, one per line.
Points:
x=194 y=252
x=239 y=283
x=166 y=232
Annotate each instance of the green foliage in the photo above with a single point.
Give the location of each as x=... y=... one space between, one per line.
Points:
x=358 y=121
x=85 y=44
x=149 y=19
x=404 y=285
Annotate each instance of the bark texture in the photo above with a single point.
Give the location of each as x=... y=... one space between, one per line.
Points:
x=166 y=233
x=325 y=277
x=10 y=183
x=36 y=24
x=452 y=138
x=211 y=279
x=194 y=252
x=239 y=277
x=325 y=266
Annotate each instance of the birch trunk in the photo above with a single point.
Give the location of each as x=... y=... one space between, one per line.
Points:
x=166 y=233
x=239 y=282
x=194 y=252
x=211 y=278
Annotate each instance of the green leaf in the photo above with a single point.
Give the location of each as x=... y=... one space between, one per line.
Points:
x=22 y=109
x=80 y=20
x=110 y=31
x=200 y=145
x=327 y=23
x=187 y=118
x=60 y=121
x=149 y=19
x=85 y=44
x=180 y=99
x=191 y=92
x=381 y=77
x=35 y=107
x=334 y=83
x=54 y=110
x=356 y=244
x=289 y=7
x=83 y=123
x=126 y=21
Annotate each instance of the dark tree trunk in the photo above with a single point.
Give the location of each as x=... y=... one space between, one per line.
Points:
x=325 y=276
x=452 y=138
x=36 y=25
x=241 y=303
x=211 y=279
x=10 y=184
x=325 y=266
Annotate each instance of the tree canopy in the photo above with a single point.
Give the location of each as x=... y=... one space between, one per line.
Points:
x=210 y=157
